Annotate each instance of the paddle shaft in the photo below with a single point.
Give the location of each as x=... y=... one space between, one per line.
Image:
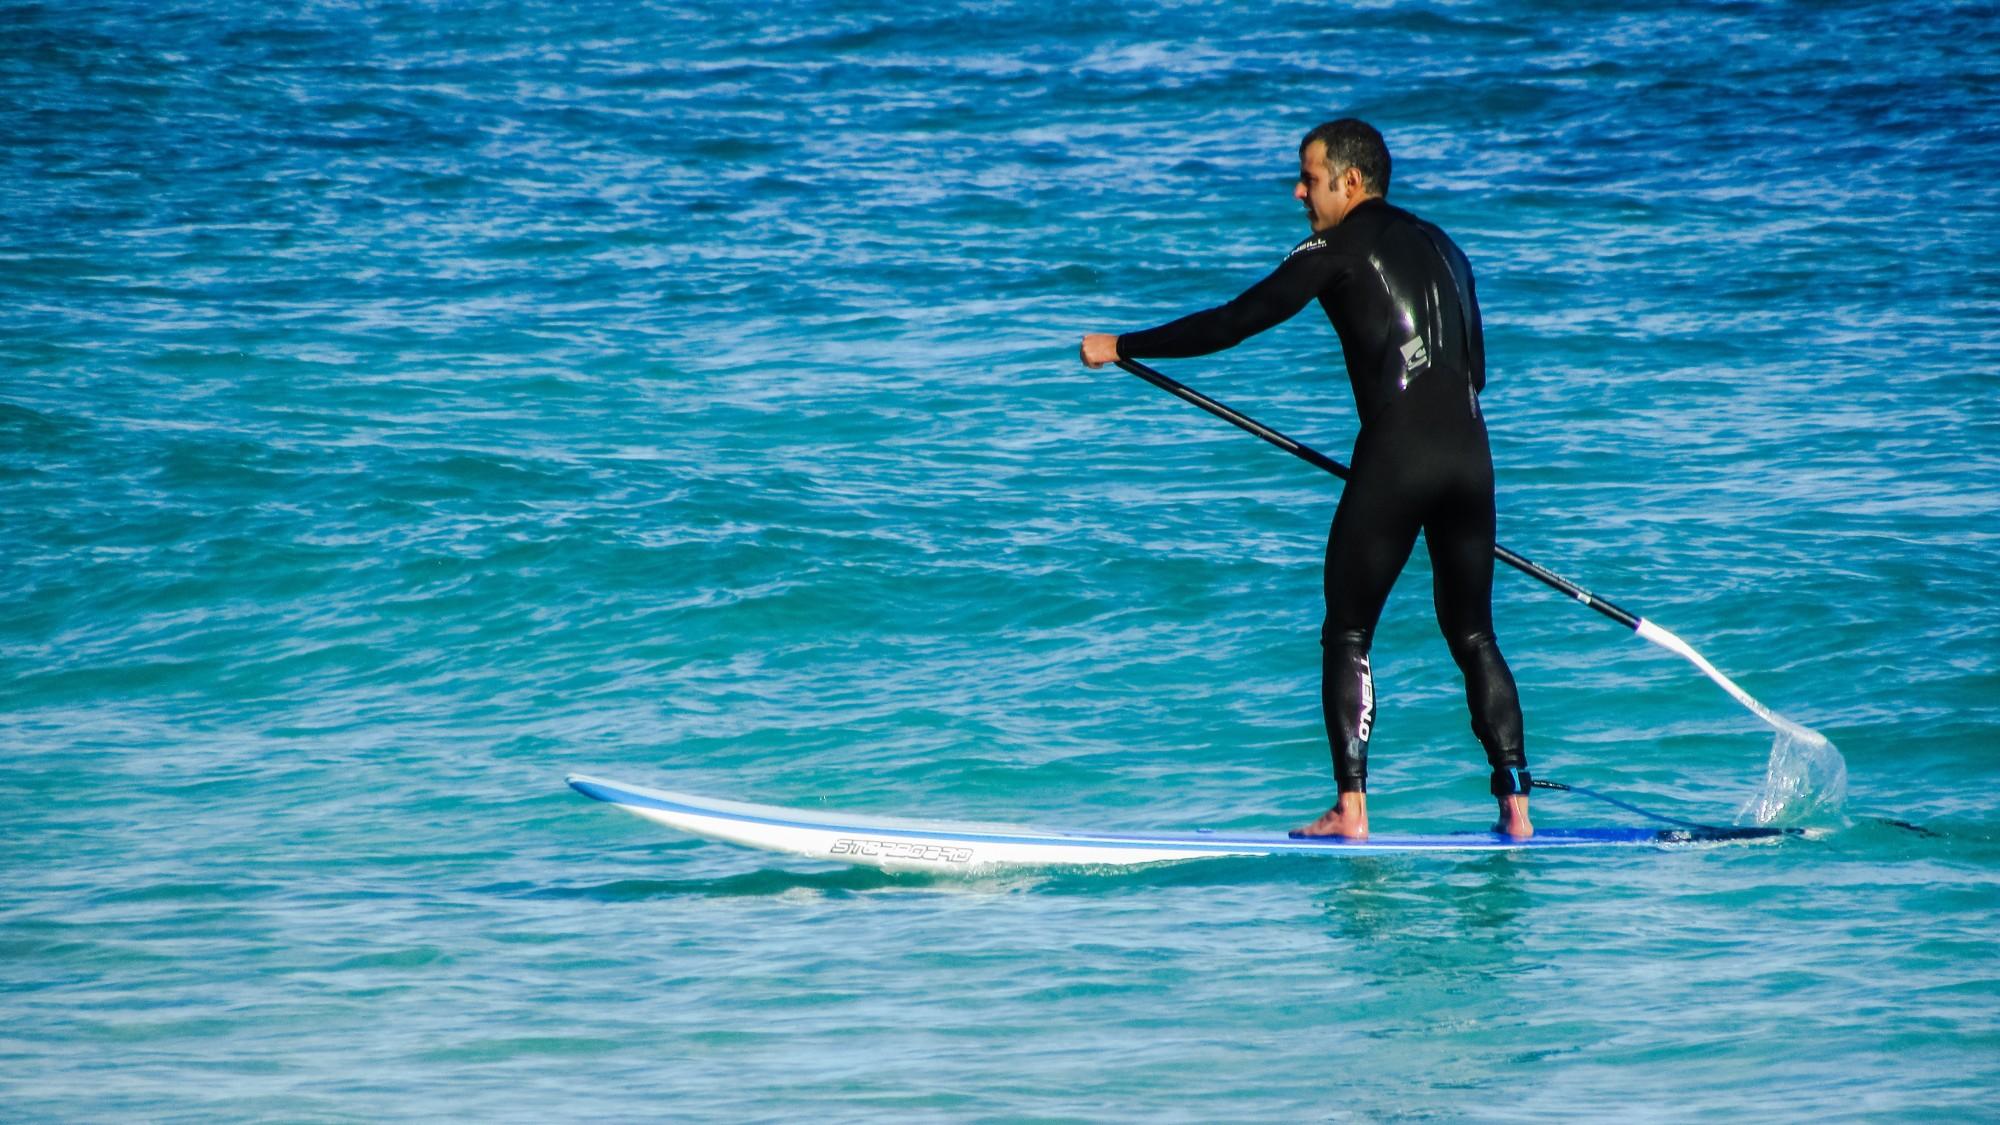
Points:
x=1313 y=456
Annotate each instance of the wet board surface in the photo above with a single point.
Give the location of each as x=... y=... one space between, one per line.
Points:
x=916 y=845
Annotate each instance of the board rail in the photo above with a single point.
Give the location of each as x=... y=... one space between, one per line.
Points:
x=912 y=845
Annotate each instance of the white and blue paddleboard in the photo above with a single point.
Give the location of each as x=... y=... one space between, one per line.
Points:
x=908 y=845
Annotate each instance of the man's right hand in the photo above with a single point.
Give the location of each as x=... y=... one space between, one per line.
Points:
x=1098 y=349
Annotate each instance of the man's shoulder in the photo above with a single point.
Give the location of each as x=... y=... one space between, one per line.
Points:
x=1355 y=234
x=1394 y=214
x=1340 y=241
x=1389 y=216
x=1308 y=244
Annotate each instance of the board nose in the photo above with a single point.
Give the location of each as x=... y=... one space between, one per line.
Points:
x=591 y=787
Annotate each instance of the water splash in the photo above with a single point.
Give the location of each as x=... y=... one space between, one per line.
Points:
x=1806 y=778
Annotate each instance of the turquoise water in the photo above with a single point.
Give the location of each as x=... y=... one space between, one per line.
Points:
x=402 y=406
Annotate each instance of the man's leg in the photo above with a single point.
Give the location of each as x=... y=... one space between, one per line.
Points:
x=1366 y=548
x=1460 y=538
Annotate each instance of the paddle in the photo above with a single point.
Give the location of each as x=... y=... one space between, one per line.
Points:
x=1778 y=784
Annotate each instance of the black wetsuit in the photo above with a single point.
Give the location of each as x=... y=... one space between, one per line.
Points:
x=1399 y=293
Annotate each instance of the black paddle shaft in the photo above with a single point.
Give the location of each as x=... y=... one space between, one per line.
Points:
x=1313 y=456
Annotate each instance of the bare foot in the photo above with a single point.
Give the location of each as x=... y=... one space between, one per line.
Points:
x=1514 y=817
x=1348 y=819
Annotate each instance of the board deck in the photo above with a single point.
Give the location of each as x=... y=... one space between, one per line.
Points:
x=909 y=845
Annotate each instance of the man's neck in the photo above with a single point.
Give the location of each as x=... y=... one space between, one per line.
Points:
x=1351 y=209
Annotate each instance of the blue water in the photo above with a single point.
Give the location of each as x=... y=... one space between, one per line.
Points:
x=404 y=405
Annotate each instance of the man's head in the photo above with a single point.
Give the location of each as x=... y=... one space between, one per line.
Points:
x=1341 y=163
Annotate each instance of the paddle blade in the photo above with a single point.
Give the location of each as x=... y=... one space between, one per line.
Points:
x=1805 y=777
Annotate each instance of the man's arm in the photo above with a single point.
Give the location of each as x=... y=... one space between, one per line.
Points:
x=1270 y=302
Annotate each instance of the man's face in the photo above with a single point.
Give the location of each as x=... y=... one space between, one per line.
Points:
x=1327 y=198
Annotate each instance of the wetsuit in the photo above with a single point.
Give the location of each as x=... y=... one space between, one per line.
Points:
x=1399 y=294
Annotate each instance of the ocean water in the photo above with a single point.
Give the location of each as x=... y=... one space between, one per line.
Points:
x=403 y=405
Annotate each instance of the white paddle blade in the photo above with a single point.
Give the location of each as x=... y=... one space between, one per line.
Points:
x=1805 y=776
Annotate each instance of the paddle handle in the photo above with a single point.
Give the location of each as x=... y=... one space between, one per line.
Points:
x=1313 y=456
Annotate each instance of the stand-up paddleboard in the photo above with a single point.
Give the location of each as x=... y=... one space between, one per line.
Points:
x=907 y=845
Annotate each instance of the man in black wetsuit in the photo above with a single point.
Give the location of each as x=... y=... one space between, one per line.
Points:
x=1399 y=294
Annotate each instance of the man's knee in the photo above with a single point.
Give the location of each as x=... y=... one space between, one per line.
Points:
x=1472 y=647
x=1334 y=638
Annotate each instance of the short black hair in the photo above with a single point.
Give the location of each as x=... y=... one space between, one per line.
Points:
x=1353 y=143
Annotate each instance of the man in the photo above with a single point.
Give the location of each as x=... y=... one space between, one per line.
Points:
x=1399 y=294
